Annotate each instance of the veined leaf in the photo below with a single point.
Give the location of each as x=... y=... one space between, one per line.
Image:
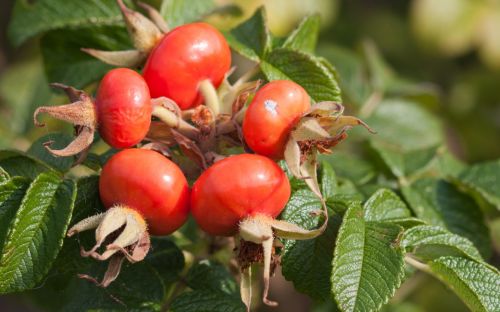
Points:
x=36 y=233
x=483 y=179
x=11 y=194
x=32 y=18
x=475 y=283
x=441 y=203
x=368 y=264
x=385 y=205
x=304 y=69
x=430 y=242
x=17 y=163
x=251 y=38
x=305 y=36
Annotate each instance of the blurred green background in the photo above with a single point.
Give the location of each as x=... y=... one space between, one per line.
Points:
x=444 y=54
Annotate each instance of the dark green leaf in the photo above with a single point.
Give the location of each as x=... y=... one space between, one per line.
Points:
x=87 y=201
x=32 y=18
x=179 y=12
x=11 y=194
x=405 y=125
x=214 y=289
x=431 y=242
x=404 y=163
x=304 y=69
x=37 y=232
x=368 y=266
x=4 y=175
x=66 y=63
x=251 y=38
x=17 y=163
x=475 y=283
x=209 y=275
x=305 y=262
x=385 y=205
x=207 y=301
x=61 y=140
x=440 y=203
x=167 y=259
x=483 y=179
x=328 y=180
x=305 y=36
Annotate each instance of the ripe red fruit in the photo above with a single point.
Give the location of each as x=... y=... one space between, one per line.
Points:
x=186 y=56
x=273 y=112
x=123 y=107
x=121 y=112
x=148 y=182
x=144 y=193
x=235 y=188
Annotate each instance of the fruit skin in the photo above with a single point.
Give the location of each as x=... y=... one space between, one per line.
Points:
x=184 y=57
x=237 y=187
x=151 y=184
x=274 y=110
x=123 y=106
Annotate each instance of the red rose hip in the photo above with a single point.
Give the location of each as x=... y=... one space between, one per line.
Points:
x=271 y=115
x=184 y=58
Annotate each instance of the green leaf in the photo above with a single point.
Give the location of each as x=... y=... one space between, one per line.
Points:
x=36 y=233
x=405 y=125
x=17 y=163
x=66 y=63
x=209 y=275
x=367 y=266
x=251 y=38
x=179 y=12
x=207 y=301
x=38 y=151
x=483 y=179
x=305 y=36
x=32 y=18
x=214 y=289
x=350 y=166
x=11 y=194
x=88 y=202
x=328 y=180
x=304 y=69
x=404 y=163
x=385 y=205
x=352 y=74
x=4 y=175
x=441 y=203
x=167 y=259
x=475 y=283
x=305 y=262
x=431 y=242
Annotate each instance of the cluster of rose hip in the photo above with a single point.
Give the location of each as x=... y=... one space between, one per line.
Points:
x=184 y=102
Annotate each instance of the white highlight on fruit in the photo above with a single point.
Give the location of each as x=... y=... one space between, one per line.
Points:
x=270 y=106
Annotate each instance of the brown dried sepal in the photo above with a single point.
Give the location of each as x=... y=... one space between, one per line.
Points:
x=80 y=112
x=258 y=244
x=319 y=130
x=121 y=233
x=144 y=33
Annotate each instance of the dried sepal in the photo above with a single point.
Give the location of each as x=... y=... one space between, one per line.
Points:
x=155 y=17
x=169 y=113
x=126 y=58
x=143 y=32
x=190 y=149
x=159 y=147
x=326 y=109
x=127 y=231
x=80 y=112
x=259 y=233
x=159 y=132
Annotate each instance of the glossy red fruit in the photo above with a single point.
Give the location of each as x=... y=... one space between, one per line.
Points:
x=151 y=184
x=274 y=110
x=123 y=106
x=184 y=57
x=235 y=188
